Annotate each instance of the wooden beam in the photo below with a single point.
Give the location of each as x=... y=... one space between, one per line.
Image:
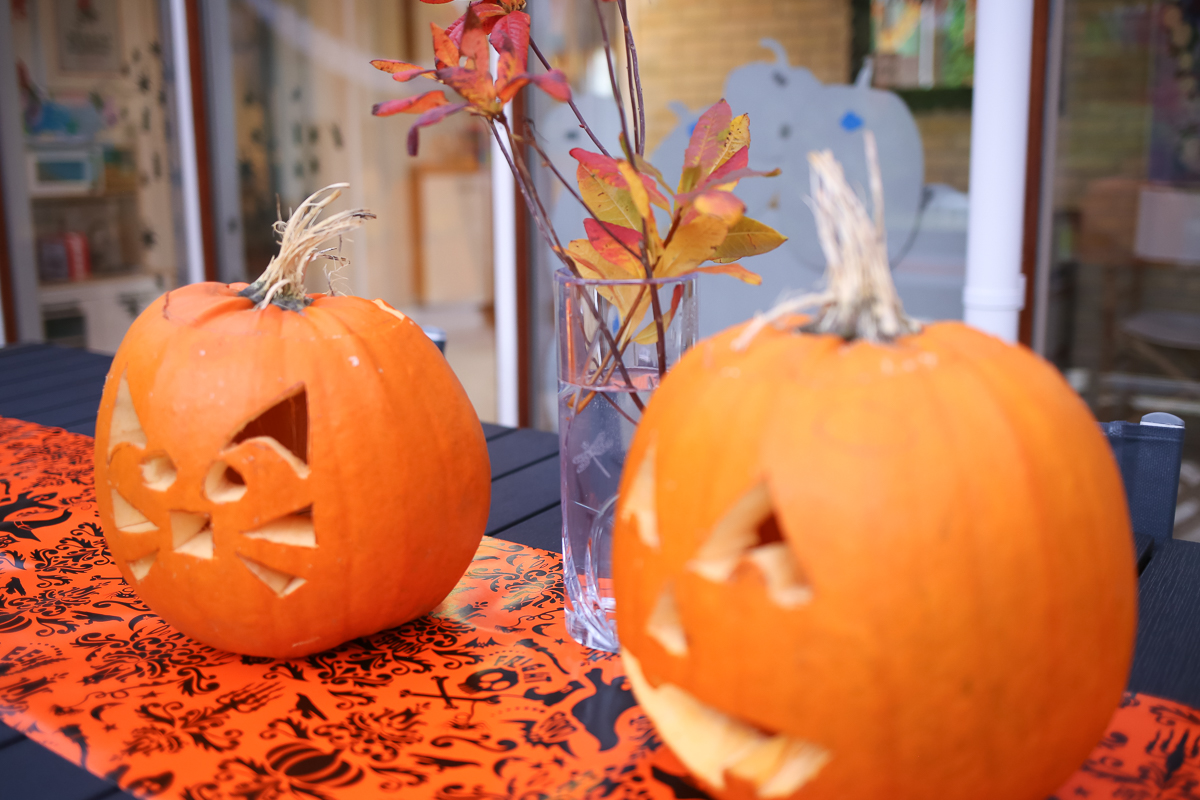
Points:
x=1034 y=165
x=208 y=232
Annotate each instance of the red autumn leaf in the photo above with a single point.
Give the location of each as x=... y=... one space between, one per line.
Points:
x=389 y=65
x=445 y=52
x=553 y=83
x=605 y=168
x=436 y=2
x=428 y=118
x=616 y=243
x=474 y=42
x=705 y=146
x=489 y=12
x=410 y=105
x=510 y=37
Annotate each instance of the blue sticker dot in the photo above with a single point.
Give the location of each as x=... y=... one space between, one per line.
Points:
x=851 y=121
x=692 y=128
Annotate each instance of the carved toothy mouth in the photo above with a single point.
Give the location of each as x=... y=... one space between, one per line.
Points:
x=711 y=743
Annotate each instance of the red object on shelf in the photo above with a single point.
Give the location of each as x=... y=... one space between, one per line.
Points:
x=64 y=257
x=486 y=698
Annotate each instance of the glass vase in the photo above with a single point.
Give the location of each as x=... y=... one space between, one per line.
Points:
x=610 y=360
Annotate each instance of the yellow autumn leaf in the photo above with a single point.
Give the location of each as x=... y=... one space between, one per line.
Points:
x=691 y=245
x=747 y=237
x=737 y=138
x=608 y=202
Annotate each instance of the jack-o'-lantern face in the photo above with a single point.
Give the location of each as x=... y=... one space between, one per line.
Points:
x=270 y=481
x=841 y=571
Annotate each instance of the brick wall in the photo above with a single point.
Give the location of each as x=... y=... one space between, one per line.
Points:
x=687 y=47
x=946 y=137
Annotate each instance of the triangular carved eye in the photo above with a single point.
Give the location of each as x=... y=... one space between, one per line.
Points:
x=640 y=504
x=125 y=426
x=749 y=533
x=285 y=422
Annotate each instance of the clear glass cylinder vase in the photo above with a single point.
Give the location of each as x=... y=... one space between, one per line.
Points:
x=611 y=358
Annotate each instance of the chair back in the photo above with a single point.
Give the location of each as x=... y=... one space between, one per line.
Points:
x=1149 y=454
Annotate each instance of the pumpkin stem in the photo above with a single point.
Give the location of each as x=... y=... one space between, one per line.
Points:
x=860 y=299
x=300 y=238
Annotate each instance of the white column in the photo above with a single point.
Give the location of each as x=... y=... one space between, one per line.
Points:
x=504 y=254
x=186 y=129
x=995 y=288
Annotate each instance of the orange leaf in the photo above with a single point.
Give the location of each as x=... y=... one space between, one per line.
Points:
x=389 y=65
x=722 y=205
x=475 y=86
x=736 y=270
x=605 y=168
x=445 y=51
x=416 y=104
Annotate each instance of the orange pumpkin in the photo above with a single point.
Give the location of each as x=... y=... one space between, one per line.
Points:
x=276 y=481
x=854 y=566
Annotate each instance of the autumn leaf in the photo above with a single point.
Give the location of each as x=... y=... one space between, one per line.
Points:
x=635 y=187
x=416 y=104
x=475 y=87
x=735 y=270
x=632 y=301
x=617 y=244
x=445 y=51
x=725 y=206
x=649 y=334
x=747 y=237
x=400 y=70
x=691 y=245
x=428 y=118
x=510 y=37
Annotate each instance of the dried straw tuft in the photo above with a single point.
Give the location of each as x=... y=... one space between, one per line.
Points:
x=860 y=300
x=300 y=240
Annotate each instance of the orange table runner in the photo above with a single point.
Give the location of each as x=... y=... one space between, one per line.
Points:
x=488 y=698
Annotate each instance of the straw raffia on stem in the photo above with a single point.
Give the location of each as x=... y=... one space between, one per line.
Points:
x=300 y=240
x=860 y=301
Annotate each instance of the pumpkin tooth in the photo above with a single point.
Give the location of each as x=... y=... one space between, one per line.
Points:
x=295 y=530
x=711 y=743
x=127 y=518
x=665 y=626
x=641 y=504
x=126 y=426
x=192 y=534
x=141 y=567
x=280 y=583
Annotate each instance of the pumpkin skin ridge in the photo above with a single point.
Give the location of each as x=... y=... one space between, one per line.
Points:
x=821 y=786
x=392 y=334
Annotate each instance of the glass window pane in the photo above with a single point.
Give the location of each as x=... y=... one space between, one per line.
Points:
x=100 y=163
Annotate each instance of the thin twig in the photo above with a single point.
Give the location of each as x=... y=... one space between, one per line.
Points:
x=547 y=232
x=571 y=102
x=612 y=70
x=635 y=84
x=620 y=410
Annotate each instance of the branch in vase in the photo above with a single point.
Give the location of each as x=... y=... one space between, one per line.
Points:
x=635 y=84
x=612 y=72
x=578 y=115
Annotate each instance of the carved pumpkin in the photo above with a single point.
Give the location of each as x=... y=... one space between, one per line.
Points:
x=855 y=559
x=277 y=480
